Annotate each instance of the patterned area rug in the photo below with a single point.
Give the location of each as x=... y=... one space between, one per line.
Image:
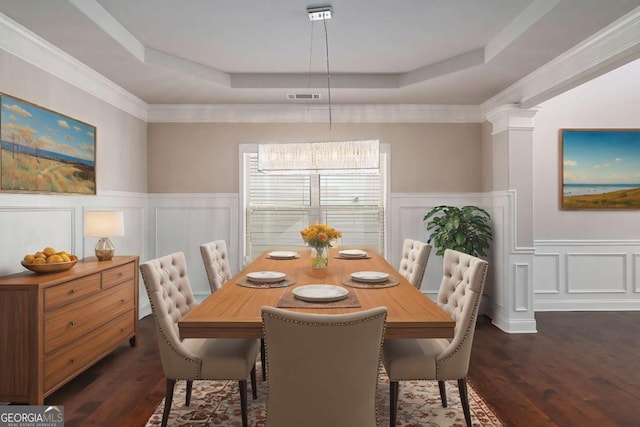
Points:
x=217 y=403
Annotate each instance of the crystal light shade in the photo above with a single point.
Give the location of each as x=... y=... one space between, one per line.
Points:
x=331 y=158
x=104 y=224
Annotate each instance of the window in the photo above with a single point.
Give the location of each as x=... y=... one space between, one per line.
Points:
x=277 y=207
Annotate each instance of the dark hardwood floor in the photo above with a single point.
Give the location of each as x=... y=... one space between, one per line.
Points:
x=580 y=369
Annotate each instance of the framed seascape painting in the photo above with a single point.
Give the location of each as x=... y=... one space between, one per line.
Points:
x=600 y=168
x=44 y=151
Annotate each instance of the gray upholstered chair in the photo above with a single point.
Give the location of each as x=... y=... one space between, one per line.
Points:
x=171 y=298
x=415 y=255
x=216 y=263
x=322 y=369
x=442 y=359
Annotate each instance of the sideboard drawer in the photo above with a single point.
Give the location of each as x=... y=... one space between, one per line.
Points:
x=54 y=326
x=56 y=296
x=73 y=358
x=117 y=275
x=72 y=321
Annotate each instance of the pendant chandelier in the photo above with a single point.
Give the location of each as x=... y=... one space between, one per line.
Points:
x=323 y=158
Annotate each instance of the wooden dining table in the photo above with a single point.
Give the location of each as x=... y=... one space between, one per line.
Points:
x=234 y=311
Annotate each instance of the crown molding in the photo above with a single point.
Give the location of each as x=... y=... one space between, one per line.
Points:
x=270 y=113
x=114 y=29
x=611 y=47
x=33 y=49
x=511 y=117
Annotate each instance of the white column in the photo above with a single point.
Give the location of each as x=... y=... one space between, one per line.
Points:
x=511 y=289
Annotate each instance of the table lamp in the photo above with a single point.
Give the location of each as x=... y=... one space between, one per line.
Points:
x=104 y=224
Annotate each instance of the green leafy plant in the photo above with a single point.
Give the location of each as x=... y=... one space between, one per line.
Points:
x=463 y=229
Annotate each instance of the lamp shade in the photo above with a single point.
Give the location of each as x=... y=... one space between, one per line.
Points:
x=103 y=224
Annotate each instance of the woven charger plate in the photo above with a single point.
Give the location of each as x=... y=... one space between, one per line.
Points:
x=391 y=281
x=288 y=281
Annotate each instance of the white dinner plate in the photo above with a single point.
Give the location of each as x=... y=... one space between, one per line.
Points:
x=369 y=276
x=266 y=276
x=353 y=253
x=283 y=254
x=320 y=293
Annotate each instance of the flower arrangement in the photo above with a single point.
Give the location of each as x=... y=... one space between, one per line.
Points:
x=319 y=235
x=319 y=238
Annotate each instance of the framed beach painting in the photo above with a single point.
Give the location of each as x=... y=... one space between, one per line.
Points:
x=44 y=151
x=600 y=168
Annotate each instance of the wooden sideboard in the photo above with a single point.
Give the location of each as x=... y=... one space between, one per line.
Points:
x=54 y=326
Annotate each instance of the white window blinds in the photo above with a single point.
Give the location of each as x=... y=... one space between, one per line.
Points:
x=277 y=207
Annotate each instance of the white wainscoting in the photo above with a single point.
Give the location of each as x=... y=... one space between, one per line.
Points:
x=508 y=295
x=406 y=214
x=30 y=222
x=182 y=222
x=566 y=275
x=573 y=275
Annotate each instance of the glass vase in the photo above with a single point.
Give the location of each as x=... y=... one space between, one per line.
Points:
x=320 y=257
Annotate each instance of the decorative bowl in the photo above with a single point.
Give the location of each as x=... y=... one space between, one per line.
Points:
x=55 y=267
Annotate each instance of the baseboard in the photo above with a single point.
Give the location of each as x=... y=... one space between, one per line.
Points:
x=144 y=310
x=588 y=305
x=515 y=326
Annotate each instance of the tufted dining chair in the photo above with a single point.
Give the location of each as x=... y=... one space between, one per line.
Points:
x=322 y=368
x=216 y=263
x=171 y=298
x=442 y=359
x=415 y=255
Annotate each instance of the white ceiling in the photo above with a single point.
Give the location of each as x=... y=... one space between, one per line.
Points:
x=436 y=52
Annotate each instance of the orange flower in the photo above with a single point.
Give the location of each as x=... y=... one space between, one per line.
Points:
x=318 y=235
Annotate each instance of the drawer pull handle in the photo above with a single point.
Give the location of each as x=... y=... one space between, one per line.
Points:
x=121 y=329
x=73 y=323
x=122 y=300
x=120 y=274
x=72 y=360
x=72 y=291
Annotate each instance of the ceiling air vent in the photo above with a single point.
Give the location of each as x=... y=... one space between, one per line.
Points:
x=303 y=96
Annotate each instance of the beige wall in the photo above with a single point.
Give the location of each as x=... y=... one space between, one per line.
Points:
x=203 y=157
x=121 y=139
x=487 y=157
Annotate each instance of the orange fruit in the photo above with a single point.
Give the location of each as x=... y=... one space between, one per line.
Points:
x=54 y=259
x=28 y=259
x=49 y=251
x=39 y=261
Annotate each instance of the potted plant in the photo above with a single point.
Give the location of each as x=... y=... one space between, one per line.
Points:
x=463 y=229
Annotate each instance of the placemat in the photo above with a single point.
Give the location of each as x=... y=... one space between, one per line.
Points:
x=283 y=259
x=352 y=257
x=391 y=281
x=288 y=281
x=288 y=300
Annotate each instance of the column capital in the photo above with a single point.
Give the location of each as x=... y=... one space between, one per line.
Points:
x=511 y=117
